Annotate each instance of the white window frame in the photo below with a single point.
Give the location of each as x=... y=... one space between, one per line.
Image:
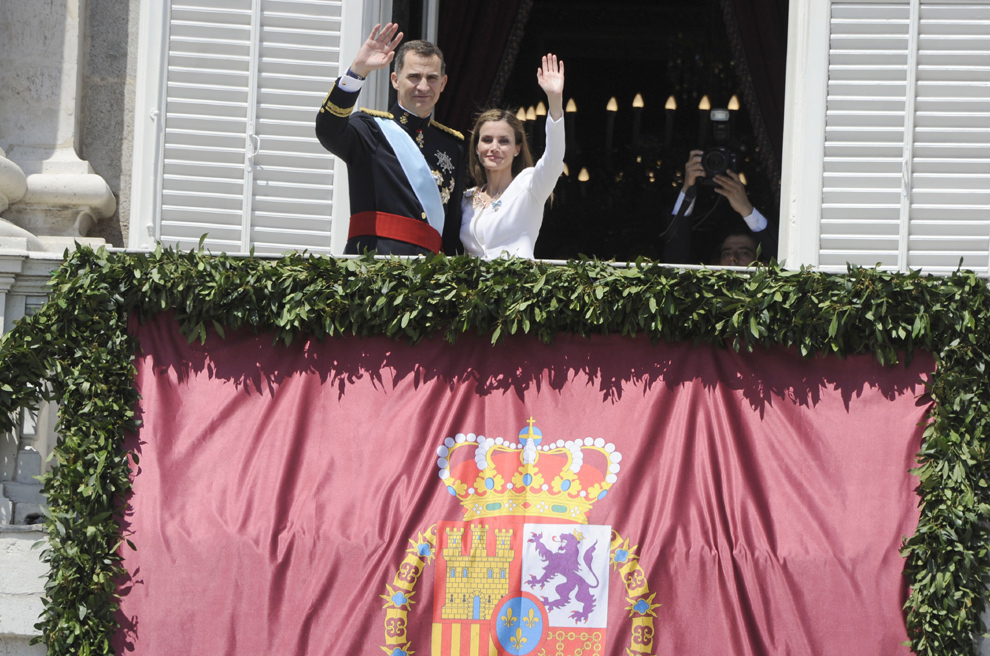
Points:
x=804 y=133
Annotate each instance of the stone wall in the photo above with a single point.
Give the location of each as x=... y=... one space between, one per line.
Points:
x=22 y=582
x=23 y=278
x=107 y=120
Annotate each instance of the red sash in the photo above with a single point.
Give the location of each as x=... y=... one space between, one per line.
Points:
x=393 y=226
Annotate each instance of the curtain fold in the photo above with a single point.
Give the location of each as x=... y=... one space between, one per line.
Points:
x=319 y=498
x=479 y=42
x=757 y=31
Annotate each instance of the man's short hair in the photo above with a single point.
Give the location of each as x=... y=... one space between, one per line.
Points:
x=421 y=48
x=739 y=231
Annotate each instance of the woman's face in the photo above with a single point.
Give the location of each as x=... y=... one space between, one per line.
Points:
x=497 y=146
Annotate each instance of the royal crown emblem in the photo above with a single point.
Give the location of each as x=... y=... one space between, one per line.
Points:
x=559 y=481
x=523 y=572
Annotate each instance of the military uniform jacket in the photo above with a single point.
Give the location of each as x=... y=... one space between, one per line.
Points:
x=376 y=180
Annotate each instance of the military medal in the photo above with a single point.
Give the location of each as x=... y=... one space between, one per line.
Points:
x=444 y=162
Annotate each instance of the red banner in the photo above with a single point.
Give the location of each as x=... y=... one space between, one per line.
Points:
x=602 y=496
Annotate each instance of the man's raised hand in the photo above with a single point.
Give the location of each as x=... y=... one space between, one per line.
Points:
x=378 y=50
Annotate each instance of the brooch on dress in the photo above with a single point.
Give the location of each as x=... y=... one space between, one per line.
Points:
x=476 y=202
x=479 y=203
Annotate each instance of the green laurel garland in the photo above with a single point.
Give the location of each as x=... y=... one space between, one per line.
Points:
x=76 y=350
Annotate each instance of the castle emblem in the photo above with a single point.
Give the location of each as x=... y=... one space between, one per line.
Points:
x=523 y=572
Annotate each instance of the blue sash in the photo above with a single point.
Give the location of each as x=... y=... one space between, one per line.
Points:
x=417 y=171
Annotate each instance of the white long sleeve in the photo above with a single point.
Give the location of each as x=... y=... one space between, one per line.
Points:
x=756 y=221
x=511 y=225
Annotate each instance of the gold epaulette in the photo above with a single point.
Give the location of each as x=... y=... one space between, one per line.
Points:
x=375 y=112
x=448 y=130
x=336 y=110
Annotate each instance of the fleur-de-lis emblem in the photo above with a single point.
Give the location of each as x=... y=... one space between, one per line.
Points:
x=518 y=640
x=531 y=620
x=507 y=619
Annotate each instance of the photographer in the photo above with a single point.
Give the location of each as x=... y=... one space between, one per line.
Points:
x=715 y=166
x=690 y=241
x=726 y=184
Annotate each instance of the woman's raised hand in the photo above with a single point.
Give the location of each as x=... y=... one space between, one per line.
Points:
x=550 y=77
x=377 y=50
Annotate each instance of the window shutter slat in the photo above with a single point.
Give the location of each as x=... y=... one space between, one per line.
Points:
x=293 y=176
x=225 y=93
x=205 y=121
x=864 y=133
x=906 y=178
x=950 y=184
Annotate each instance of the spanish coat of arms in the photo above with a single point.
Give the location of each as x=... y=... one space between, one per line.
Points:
x=523 y=573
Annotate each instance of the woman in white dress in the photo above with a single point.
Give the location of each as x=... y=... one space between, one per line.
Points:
x=504 y=211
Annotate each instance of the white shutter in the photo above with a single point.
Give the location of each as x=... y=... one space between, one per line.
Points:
x=206 y=111
x=950 y=184
x=292 y=186
x=240 y=160
x=864 y=133
x=906 y=177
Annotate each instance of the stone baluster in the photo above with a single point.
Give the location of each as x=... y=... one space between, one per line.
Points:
x=40 y=94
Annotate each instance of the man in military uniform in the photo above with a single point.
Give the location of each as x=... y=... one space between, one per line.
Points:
x=404 y=168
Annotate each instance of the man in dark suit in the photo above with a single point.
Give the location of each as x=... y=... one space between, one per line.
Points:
x=686 y=241
x=404 y=168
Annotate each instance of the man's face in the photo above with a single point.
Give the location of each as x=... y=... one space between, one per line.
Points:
x=419 y=83
x=737 y=250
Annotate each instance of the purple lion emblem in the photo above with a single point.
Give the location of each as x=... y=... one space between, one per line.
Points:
x=566 y=563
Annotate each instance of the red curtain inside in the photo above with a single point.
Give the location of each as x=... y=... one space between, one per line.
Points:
x=758 y=32
x=473 y=37
x=357 y=496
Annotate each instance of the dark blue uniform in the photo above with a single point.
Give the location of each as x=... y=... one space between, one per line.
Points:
x=377 y=182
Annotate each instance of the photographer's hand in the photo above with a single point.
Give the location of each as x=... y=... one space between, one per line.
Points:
x=729 y=185
x=693 y=170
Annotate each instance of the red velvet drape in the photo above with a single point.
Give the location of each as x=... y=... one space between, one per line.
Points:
x=309 y=499
x=473 y=37
x=758 y=32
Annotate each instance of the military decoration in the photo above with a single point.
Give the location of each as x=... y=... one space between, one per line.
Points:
x=444 y=162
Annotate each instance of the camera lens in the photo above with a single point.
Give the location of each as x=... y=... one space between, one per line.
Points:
x=715 y=161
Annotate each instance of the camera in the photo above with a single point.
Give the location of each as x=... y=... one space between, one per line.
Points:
x=720 y=157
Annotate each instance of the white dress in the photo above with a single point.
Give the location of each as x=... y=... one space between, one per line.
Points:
x=510 y=225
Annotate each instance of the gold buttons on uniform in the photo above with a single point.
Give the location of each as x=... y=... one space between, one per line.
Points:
x=424 y=215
